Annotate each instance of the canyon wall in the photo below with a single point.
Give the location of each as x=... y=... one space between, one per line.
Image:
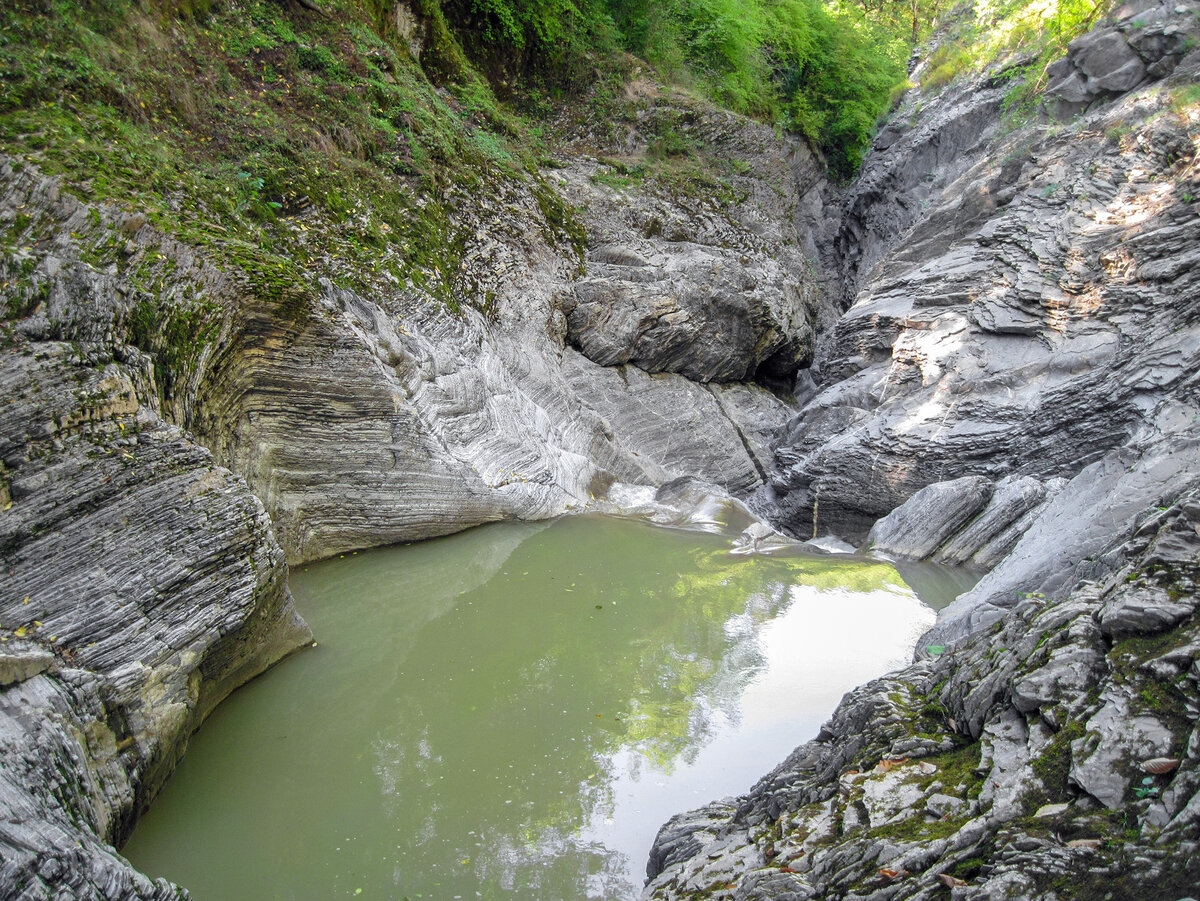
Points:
x=982 y=350
x=1014 y=385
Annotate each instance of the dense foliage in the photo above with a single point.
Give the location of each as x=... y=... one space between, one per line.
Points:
x=293 y=144
x=1030 y=34
x=814 y=69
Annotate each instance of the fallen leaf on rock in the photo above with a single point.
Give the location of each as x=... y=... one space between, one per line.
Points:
x=892 y=874
x=1159 y=765
x=951 y=881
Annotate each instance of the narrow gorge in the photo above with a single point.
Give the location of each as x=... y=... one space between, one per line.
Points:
x=983 y=349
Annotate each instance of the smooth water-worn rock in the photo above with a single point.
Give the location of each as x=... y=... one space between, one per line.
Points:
x=141 y=585
x=404 y=419
x=926 y=520
x=985 y=539
x=674 y=427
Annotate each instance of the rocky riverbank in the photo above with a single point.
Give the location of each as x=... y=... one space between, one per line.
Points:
x=1052 y=756
x=1014 y=385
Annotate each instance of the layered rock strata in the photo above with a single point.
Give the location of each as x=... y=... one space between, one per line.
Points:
x=1012 y=385
x=141 y=584
x=705 y=277
x=1024 y=308
x=391 y=417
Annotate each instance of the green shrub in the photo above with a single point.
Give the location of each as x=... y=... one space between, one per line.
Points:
x=824 y=74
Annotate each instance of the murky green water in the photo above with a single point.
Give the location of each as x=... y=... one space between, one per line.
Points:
x=513 y=711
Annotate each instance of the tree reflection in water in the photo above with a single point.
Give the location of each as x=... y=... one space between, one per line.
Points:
x=491 y=712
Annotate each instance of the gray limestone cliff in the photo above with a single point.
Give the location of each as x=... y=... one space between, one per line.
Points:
x=1023 y=308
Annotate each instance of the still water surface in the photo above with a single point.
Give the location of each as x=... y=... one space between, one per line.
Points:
x=512 y=712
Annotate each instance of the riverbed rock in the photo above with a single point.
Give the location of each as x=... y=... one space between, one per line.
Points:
x=1011 y=499
x=1012 y=316
x=924 y=522
x=141 y=585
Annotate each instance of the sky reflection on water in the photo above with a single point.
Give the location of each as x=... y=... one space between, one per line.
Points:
x=515 y=710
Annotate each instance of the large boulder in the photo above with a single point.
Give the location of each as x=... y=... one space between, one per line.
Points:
x=924 y=522
x=696 y=270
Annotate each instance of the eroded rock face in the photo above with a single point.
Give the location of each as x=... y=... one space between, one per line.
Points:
x=925 y=522
x=1116 y=58
x=705 y=278
x=1047 y=758
x=141 y=584
x=368 y=420
x=1013 y=384
x=1023 y=312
